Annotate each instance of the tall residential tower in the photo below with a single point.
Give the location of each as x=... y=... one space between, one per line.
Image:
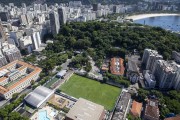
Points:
x=54 y=23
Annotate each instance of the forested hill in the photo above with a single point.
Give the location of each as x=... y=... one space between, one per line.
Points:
x=109 y=39
x=16 y=2
x=28 y=2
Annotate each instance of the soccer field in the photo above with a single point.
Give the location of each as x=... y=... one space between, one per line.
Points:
x=94 y=91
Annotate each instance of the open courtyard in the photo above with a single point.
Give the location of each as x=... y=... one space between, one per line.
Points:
x=103 y=94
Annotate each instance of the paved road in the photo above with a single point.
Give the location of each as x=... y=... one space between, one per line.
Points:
x=3 y=103
x=66 y=77
x=95 y=70
x=65 y=65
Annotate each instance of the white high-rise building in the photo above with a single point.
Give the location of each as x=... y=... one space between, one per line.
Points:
x=44 y=7
x=25 y=41
x=177 y=78
x=176 y=56
x=37 y=7
x=165 y=74
x=23 y=20
x=149 y=58
x=36 y=40
x=41 y=18
x=30 y=17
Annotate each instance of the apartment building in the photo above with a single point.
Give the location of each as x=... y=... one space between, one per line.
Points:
x=132 y=71
x=11 y=52
x=2 y=34
x=176 y=56
x=54 y=22
x=16 y=76
x=176 y=84
x=149 y=58
x=165 y=73
x=3 y=60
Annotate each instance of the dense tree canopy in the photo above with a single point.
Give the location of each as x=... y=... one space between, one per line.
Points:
x=7 y=114
x=107 y=39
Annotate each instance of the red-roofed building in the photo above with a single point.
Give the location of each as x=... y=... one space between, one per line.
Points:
x=117 y=66
x=173 y=118
x=16 y=76
x=151 y=110
x=136 y=109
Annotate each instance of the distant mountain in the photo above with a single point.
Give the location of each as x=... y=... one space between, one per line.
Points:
x=16 y=2
x=28 y=2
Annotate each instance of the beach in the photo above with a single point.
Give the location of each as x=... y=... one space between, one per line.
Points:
x=141 y=16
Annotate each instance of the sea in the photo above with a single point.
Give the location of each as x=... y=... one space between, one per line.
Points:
x=171 y=23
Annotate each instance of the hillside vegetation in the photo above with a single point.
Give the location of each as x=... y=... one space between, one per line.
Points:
x=107 y=39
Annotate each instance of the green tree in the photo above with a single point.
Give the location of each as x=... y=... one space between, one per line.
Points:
x=32 y=82
x=142 y=94
x=14 y=96
x=59 y=68
x=88 y=67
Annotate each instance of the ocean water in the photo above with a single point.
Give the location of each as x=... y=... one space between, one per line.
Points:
x=167 y=22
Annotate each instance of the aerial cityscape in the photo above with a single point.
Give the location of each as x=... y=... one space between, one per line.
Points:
x=90 y=60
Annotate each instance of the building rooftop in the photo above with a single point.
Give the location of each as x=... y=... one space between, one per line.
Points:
x=23 y=65
x=38 y=96
x=154 y=53
x=173 y=118
x=167 y=66
x=149 y=76
x=132 y=66
x=85 y=110
x=104 y=67
x=122 y=106
x=117 y=66
x=152 y=110
x=136 y=108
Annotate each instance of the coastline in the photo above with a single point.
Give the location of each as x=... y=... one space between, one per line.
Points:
x=142 y=16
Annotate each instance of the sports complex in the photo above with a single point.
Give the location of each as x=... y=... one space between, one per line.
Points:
x=82 y=87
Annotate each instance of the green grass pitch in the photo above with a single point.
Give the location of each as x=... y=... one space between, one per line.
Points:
x=103 y=94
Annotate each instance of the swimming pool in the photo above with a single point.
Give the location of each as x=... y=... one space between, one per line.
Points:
x=42 y=115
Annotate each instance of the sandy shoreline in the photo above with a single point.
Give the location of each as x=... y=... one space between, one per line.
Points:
x=141 y=16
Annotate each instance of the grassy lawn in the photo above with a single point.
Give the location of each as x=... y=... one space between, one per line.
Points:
x=94 y=91
x=51 y=82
